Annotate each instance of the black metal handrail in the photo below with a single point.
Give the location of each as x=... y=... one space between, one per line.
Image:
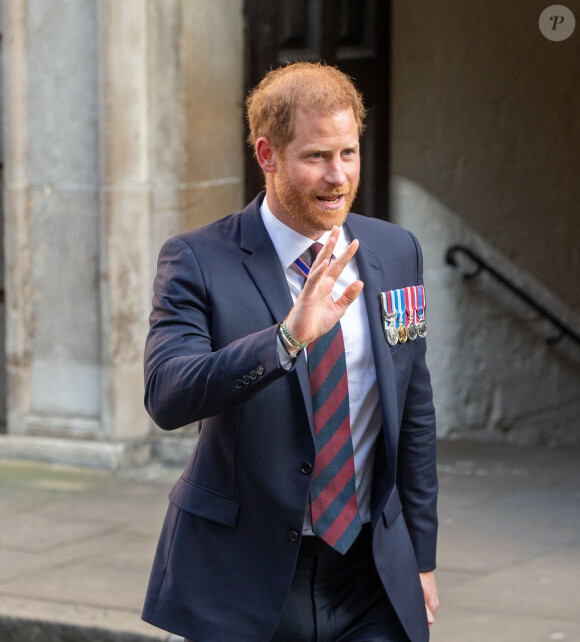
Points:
x=564 y=330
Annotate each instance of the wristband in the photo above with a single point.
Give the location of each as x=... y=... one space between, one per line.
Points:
x=288 y=349
x=293 y=342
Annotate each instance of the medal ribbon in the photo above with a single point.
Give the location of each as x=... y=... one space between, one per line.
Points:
x=396 y=303
x=409 y=304
x=421 y=294
x=400 y=307
x=389 y=303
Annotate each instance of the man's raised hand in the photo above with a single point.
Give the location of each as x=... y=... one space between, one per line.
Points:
x=315 y=312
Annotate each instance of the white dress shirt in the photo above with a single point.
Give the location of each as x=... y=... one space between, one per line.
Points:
x=365 y=418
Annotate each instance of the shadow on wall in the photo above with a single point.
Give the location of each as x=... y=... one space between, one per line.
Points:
x=495 y=377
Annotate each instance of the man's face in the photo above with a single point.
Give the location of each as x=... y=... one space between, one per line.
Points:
x=318 y=172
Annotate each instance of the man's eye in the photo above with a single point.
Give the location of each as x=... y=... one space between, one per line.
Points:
x=317 y=155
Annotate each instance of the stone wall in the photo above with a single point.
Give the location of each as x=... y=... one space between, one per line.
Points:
x=123 y=126
x=485 y=148
x=2 y=307
x=485 y=118
x=495 y=378
x=195 y=113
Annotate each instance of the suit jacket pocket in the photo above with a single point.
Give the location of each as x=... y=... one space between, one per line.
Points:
x=396 y=348
x=204 y=502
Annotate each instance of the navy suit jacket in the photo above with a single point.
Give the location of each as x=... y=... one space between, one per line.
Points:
x=228 y=548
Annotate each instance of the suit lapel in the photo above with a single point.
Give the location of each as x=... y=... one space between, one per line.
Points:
x=262 y=262
x=373 y=274
x=264 y=268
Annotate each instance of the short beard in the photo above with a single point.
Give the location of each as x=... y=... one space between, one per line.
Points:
x=302 y=206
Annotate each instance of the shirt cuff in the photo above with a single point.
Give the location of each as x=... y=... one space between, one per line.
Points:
x=286 y=361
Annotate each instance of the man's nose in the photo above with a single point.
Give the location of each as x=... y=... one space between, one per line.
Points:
x=335 y=173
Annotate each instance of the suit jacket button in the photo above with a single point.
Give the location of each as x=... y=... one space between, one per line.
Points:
x=246 y=380
x=306 y=468
x=293 y=536
x=260 y=370
x=239 y=383
x=253 y=375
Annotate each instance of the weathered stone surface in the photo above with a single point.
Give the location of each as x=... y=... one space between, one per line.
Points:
x=118 y=139
x=507 y=565
x=215 y=199
x=212 y=90
x=13 y=629
x=494 y=375
x=78 y=452
x=508 y=550
x=63 y=94
x=484 y=118
x=65 y=329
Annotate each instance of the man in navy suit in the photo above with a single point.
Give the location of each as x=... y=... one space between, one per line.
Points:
x=242 y=554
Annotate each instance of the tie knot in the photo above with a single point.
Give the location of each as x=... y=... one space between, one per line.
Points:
x=315 y=250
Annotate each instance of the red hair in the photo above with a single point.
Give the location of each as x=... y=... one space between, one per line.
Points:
x=272 y=104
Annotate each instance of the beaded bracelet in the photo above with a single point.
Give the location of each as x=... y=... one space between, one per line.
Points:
x=293 y=342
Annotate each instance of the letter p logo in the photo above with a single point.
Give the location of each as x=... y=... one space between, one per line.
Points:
x=557 y=22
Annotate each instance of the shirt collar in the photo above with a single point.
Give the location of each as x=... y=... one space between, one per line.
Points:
x=288 y=243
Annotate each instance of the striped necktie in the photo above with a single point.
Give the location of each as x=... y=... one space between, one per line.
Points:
x=334 y=509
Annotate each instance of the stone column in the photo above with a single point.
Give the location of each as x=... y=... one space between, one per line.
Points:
x=123 y=126
x=125 y=196
x=15 y=139
x=76 y=230
x=195 y=132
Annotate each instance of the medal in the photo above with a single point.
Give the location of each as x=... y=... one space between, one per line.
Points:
x=389 y=319
x=389 y=323
x=411 y=311
x=403 y=314
x=422 y=325
x=412 y=331
x=403 y=333
x=402 y=329
x=384 y=308
x=391 y=333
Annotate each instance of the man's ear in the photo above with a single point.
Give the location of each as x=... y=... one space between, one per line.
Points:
x=266 y=155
